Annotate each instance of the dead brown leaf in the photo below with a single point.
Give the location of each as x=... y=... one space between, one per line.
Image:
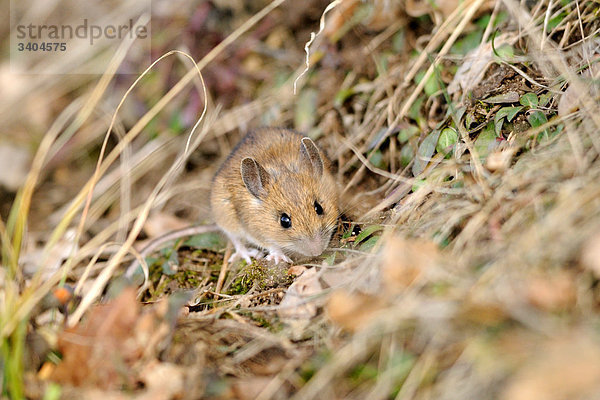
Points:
x=566 y=368
x=95 y=351
x=382 y=15
x=296 y=270
x=405 y=260
x=342 y=13
x=353 y=311
x=299 y=304
x=472 y=70
x=296 y=303
x=105 y=349
x=499 y=160
x=552 y=293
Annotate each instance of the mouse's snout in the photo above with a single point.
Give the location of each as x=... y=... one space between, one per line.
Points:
x=313 y=246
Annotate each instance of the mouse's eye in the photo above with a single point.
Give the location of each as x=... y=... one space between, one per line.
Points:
x=285 y=221
x=318 y=208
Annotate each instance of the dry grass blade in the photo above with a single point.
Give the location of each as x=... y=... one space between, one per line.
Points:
x=313 y=36
x=470 y=169
x=476 y=4
x=108 y=271
x=21 y=209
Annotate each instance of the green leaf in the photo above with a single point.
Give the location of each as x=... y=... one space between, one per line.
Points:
x=212 y=241
x=369 y=244
x=553 y=22
x=407 y=153
x=469 y=42
x=448 y=138
x=545 y=99
x=150 y=260
x=509 y=113
x=381 y=134
x=424 y=153
x=169 y=267
x=457 y=114
x=505 y=52
x=498 y=122
x=401 y=364
x=550 y=133
x=342 y=95
x=399 y=42
x=537 y=118
x=512 y=113
x=529 y=100
x=469 y=119
x=368 y=231
x=152 y=128
x=407 y=133
x=486 y=141
x=349 y=231
x=382 y=62
x=431 y=85
x=501 y=18
x=483 y=22
x=415 y=110
x=503 y=98
x=376 y=158
x=559 y=129
x=363 y=373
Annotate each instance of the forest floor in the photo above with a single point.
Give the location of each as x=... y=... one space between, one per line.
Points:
x=465 y=139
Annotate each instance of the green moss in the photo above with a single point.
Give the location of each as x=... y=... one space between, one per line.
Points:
x=241 y=285
x=260 y=277
x=175 y=262
x=188 y=279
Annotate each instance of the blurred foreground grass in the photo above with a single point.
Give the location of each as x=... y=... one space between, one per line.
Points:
x=465 y=138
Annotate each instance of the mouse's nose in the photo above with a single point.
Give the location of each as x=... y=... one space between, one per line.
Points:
x=314 y=246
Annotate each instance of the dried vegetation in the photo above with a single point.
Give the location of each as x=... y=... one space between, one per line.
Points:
x=466 y=264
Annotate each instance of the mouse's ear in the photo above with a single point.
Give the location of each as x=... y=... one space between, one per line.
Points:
x=309 y=153
x=255 y=177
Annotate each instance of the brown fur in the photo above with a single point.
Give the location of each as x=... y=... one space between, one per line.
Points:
x=292 y=186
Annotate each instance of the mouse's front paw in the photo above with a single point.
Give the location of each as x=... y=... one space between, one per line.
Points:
x=277 y=256
x=246 y=254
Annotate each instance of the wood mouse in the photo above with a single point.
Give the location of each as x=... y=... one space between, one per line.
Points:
x=275 y=192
